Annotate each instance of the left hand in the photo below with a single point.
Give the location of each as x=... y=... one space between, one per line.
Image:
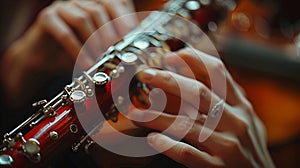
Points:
x=238 y=138
x=62 y=33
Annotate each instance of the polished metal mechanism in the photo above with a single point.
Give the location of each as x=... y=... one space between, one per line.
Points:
x=100 y=78
x=88 y=77
x=114 y=73
x=49 y=111
x=120 y=69
x=88 y=146
x=31 y=147
x=192 y=5
x=73 y=128
x=89 y=90
x=141 y=44
x=110 y=65
x=120 y=100
x=78 y=96
x=64 y=97
x=76 y=146
x=39 y=103
x=36 y=158
x=129 y=58
x=205 y=2
x=86 y=138
x=212 y=26
x=134 y=49
x=68 y=88
x=53 y=135
x=34 y=123
x=6 y=160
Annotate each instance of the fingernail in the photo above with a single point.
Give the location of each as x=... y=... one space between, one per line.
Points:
x=147 y=74
x=151 y=138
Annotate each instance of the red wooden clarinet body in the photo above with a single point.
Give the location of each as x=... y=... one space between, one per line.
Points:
x=56 y=126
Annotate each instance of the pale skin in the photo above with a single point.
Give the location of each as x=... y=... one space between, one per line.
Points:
x=239 y=140
x=51 y=45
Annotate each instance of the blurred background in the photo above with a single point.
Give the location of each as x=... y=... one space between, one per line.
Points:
x=259 y=42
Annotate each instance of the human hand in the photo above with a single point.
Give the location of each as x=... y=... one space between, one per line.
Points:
x=238 y=137
x=52 y=44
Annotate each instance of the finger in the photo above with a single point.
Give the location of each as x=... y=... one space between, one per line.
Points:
x=182 y=152
x=78 y=19
x=187 y=65
x=204 y=67
x=233 y=120
x=186 y=71
x=242 y=125
x=173 y=103
x=180 y=126
x=225 y=153
x=55 y=26
x=81 y=22
x=207 y=69
x=117 y=9
x=100 y=18
x=94 y=43
x=220 y=144
x=190 y=90
x=220 y=115
x=191 y=127
x=168 y=103
x=192 y=132
x=183 y=127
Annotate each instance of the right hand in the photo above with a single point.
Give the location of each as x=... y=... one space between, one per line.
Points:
x=215 y=122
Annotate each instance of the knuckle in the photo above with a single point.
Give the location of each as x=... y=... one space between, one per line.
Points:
x=194 y=133
x=218 y=65
x=186 y=124
x=64 y=35
x=247 y=106
x=232 y=143
x=166 y=76
x=45 y=14
x=199 y=89
x=94 y=11
x=92 y=7
x=185 y=153
x=82 y=17
x=242 y=127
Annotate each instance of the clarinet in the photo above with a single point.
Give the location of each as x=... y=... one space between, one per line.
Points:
x=57 y=124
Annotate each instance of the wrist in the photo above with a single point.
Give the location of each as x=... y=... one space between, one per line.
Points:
x=18 y=76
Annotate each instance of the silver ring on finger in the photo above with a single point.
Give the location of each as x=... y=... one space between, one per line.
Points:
x=216 y=109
